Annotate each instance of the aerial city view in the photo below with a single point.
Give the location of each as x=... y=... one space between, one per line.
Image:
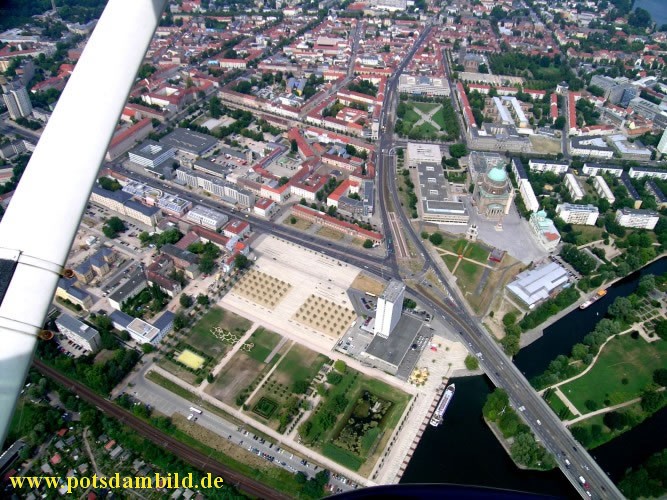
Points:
x=297 y=249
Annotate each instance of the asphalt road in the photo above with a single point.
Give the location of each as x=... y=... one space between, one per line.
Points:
x=168 y=403
x=547 y=427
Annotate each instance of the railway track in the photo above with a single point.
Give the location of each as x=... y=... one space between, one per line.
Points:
x=184 y=452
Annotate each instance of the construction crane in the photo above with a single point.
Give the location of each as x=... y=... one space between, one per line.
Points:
x=39 y=226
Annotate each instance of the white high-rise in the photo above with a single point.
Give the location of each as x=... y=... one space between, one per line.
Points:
x=18 y=102
x=662 y=145
x=389 y=308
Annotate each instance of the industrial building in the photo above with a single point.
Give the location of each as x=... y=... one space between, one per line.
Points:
x=532 y=287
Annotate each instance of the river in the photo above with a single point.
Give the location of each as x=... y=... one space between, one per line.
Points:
x=657 y=9
x=464 y=451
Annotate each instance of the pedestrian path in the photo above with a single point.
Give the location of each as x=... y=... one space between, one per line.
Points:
x=567 y=402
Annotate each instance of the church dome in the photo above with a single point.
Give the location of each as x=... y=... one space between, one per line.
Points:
x=497 y=174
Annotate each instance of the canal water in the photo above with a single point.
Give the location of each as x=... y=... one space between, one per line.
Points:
x=464 y=451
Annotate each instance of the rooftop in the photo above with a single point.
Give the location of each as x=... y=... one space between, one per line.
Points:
x=65 y=321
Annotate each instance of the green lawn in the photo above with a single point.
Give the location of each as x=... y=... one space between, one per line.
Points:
x=300 y=363
x=411 y=116
x=559 y=408
x=622 y=359
x=439 y=118
x=476 y=252
x=426 y=128
x=178 y=370
x=450 y=261
x=202 y=338
x=469 y=275
x=452 y=245
x=588 y=234
x=264 y=341
x=425 y=107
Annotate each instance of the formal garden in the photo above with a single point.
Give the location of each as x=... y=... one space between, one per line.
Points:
x=354 y=419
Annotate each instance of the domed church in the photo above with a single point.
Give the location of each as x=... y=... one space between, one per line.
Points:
x=493 y=194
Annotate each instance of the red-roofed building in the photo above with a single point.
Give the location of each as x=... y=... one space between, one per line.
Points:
x=345 y=187
x=110 y=445
x=553 y=113
x=318 y=217
x=264 y=207
x=55 y=459
x=187 y=240
x=125 y=139
x=61 y=432
x=304 y=147
x=238 y=228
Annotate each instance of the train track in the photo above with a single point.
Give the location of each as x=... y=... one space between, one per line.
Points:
x=184 y=452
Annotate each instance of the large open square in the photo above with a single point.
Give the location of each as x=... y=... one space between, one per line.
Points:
x=311 y=276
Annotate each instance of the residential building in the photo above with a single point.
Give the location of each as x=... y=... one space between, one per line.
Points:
x=544 y=230
x=389 y=308
x=573 y=187
x=602 y=189
x=264 y=207
x=630 y=150
x=557 y=167
x=79 y=332
x=657 y=193
x=641 y=219
x=136 y=282
x=662 y=145
x=532 y=287
x=651 y=172
x=18 y=102
x=590 y=147
x=236 y=228
x=600 y=168
x=632 y=191
x=578 y=214
x=67 y=290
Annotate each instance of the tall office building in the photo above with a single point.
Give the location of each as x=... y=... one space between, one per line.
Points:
x=18 y=102
x=390 y=306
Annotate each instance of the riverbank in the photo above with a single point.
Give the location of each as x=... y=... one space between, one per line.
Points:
x=530 y=336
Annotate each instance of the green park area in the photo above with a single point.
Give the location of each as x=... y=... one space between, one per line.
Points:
x=623 y=370
x=355 y=418
x=557 y=405
x=278 y=400
x=434 y=120
x=242 y=373
x=216 y=332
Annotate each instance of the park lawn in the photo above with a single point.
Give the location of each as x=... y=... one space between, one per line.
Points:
x=468 y=275
x=450 y=261
x=439 y=118
x=237 y=374
x=411 y=116
x=265 y=341
x=453 y=245
x=623 y=357
x=426 y=128
x=588 y=234
x=361 y=383
x=178 y=370
x=476 y=252
x=425 y=107
x=300 y=363
x=201 y=337
x=559 y=408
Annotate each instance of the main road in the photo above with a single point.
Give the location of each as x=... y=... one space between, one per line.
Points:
x=546 y=426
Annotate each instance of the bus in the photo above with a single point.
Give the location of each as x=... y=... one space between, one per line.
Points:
x=195 y=410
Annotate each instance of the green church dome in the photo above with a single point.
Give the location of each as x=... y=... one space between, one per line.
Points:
x=497 y=174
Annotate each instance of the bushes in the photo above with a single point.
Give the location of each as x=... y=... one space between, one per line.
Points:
x=552 y=306
x=436 y=239
x=471 y=362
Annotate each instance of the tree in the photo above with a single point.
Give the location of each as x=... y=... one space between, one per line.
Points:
x=294 y=146
x=340 y=366
x=206 y=264
x=292 y=220
x=334 y=378
x=646 y=285
x=615 y=420
x=300 y=387
x=241 y=261
x=471 y=362
x=435 y=238
x=559 y=123
x=185 y=300
x=368 y=243
x=112 y=227
x=283 y=180
x=180 y=321
x=651 y=400
x=147 y=348
x=458 y=150
x=301 y=477
x=409 y=304
x=424 y=235
x=203 y=300
x=660 y=377
x=511 y=344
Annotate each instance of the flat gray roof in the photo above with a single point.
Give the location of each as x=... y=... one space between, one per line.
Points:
x=123 y=292
x=393 y=290
x=189 y=141
x=393 y=349
x=83 y=330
